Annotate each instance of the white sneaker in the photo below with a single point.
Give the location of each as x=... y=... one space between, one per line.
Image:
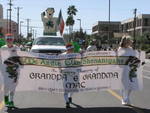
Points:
x=125 y=103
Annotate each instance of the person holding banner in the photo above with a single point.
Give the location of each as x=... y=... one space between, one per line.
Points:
x=128 y=80
x=67 y=96
x=9 y=84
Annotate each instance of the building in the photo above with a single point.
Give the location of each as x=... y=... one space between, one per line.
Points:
x=142 y=25
x=4 y=24
x=104 y=33
x=105 y=28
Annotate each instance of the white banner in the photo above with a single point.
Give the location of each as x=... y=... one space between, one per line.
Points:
x=91 y=71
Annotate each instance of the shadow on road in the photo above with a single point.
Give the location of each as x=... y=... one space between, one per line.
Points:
x=78 y=110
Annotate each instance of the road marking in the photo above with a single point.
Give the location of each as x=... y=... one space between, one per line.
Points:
x=113 y=93
x=1 y=105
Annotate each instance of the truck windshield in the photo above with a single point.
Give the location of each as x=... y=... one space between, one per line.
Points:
x=49 y=41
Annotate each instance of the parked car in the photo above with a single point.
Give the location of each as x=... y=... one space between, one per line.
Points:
x=49 y=45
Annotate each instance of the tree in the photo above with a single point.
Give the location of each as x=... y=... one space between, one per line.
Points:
x=143 y=41
x=71 y=11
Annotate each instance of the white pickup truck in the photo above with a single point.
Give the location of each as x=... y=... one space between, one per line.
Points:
x=48 y=45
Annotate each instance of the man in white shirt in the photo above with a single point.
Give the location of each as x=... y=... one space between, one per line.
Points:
x=67 y=96
x=9 y=85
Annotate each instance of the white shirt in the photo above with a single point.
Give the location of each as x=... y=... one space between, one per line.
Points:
x=126 y=83
x=91 y=48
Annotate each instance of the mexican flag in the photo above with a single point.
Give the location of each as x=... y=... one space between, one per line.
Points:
x=61 y=23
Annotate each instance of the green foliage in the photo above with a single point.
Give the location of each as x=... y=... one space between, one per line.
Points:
x=2 y=42
x=70 y=21
x=71 y=12
x=143 y=42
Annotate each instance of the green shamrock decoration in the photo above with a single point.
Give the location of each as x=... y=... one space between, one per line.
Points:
x=50 y=24
x=12 y=66
x=133 y=63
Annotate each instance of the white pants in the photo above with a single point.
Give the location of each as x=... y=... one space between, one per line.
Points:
x=67 y=96
x=9 y=93
x=126 y=95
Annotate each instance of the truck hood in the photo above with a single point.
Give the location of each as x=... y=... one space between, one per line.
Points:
x=47 y=47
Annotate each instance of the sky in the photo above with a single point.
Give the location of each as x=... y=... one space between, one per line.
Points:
x=89 y=11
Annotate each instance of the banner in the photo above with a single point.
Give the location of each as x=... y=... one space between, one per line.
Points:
x=90 y=71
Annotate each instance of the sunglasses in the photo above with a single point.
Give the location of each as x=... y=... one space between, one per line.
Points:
x=9 y=39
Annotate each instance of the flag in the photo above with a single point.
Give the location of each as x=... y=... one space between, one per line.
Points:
x=61 y=23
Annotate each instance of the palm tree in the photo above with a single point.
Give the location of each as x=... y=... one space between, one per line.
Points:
x=72 y=10
x=70 y=20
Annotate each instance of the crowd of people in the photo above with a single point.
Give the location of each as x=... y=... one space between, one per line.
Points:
x=125 y=45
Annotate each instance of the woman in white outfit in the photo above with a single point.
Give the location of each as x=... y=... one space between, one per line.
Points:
x=125 y=49
x=9 y=85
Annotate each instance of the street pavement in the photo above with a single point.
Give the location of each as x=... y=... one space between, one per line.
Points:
x=92 y=102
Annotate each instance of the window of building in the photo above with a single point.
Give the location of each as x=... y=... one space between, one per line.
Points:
x=146 y=22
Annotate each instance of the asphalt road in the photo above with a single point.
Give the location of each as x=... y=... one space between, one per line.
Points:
x=92 y=102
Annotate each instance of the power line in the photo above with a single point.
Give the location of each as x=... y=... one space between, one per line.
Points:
x=32 y=26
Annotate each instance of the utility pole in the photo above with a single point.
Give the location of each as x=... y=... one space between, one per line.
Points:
x=109 y=24
x=7 y=21
x=18 y=10
x=134 y=32
x=109 y=12
x=35 y=33
x=31 y=32
x=80 y=24
x=10 y=9
x=28 y=28
x=20 y=28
